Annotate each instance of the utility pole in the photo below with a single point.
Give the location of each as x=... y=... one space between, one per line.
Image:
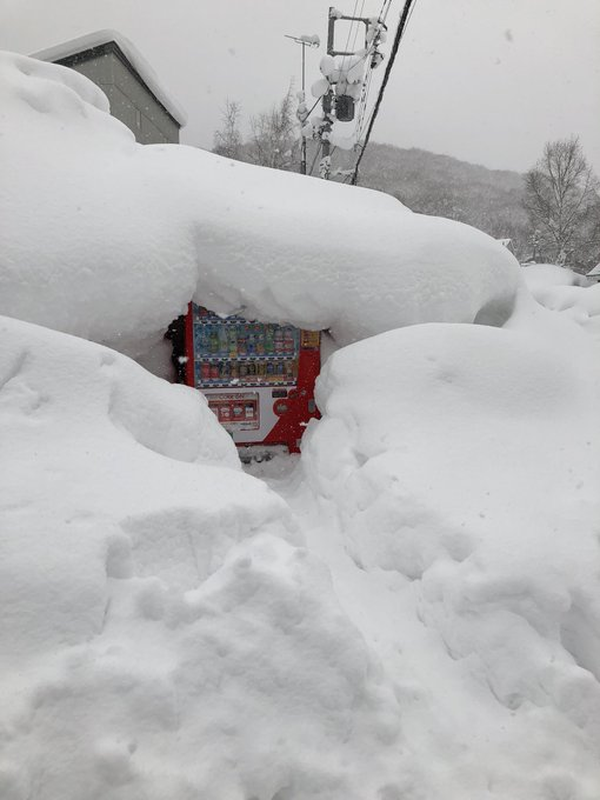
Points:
x=304 y=42
x=328 y=102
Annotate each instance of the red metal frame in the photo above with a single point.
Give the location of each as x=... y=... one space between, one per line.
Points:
x=299 y=404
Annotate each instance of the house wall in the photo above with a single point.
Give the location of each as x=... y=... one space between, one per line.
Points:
x=130 y=101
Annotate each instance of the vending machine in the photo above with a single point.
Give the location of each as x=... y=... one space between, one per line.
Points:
x=258 y=378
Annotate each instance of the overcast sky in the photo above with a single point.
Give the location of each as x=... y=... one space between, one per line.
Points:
x=487 y=81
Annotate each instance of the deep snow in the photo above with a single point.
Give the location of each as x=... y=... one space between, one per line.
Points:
x=411 y=612
x=138 y=230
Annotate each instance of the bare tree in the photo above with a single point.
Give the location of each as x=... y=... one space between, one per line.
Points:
x=273 y=141
x=561 y=199
x=228 y=139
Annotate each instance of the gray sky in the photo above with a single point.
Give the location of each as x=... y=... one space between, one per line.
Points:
x=488 y=81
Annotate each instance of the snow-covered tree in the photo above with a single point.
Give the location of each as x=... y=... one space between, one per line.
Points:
x=274 y=136
x=228 y=139
x=561 y=199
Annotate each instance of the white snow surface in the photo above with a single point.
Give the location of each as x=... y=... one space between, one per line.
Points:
x=460 y=466
x=412 y=613
x=135 y=232
x=163 y=631
x=561 y=289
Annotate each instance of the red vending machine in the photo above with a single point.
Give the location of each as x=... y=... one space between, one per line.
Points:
x=258 y=378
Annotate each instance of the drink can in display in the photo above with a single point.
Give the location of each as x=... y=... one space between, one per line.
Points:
x=269 y=339
x=241 y=340
x=223 y=340
x=205 y=371
x=251 y=341
x=233 y=341
x=260 y=340
x=278 y=341
x=288 y=341
x=214 y=372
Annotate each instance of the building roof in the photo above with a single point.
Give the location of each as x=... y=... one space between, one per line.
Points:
x=132 y=55
x=595 y=271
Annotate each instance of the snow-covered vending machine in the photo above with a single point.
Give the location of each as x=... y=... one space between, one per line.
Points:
x=258 y=378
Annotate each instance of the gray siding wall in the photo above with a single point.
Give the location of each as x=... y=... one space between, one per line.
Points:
x=130 y=102
x=98 y=69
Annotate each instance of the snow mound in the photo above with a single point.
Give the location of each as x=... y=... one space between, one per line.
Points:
x=540 y=276
x=561 y=289
x=117 y=469
x=135 y=232
x=170 y=635
x=461 y=466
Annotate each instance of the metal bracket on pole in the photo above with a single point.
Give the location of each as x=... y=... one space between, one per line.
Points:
x=335 y=16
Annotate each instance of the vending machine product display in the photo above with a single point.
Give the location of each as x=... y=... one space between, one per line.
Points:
x=258 y=377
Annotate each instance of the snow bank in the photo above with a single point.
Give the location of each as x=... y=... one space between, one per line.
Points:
x=118 y=237
x=462 y=467
x=540 y=276
x=561 y=289
x=163 y=632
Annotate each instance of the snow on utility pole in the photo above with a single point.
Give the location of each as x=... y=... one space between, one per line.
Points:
x=344 y=77
x=302 y=112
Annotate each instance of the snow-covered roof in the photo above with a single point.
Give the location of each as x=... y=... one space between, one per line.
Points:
x=131 y=53
x=595 y=271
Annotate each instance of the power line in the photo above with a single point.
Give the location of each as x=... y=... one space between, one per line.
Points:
x=398 y=36
x=360 y=13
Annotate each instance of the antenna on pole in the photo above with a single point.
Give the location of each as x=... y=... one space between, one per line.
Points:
x=304 y=42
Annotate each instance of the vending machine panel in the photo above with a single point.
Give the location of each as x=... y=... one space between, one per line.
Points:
x=258 y=377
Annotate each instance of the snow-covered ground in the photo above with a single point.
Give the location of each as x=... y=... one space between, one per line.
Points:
x=410 y=610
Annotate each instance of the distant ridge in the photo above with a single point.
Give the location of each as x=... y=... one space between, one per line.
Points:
x=441 y=185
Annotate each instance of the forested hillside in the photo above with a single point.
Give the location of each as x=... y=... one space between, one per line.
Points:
x=444 y=186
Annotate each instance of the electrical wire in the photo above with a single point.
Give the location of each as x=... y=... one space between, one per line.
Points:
x=363 y=104
x=360 y=13
x=352 y=23
x=402 y=23
x=385 y=11
x=367 y=81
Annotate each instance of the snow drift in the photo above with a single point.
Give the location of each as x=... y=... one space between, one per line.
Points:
x=169 y=635
x=135 y=232
x=461 y=466
x=561 y=289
